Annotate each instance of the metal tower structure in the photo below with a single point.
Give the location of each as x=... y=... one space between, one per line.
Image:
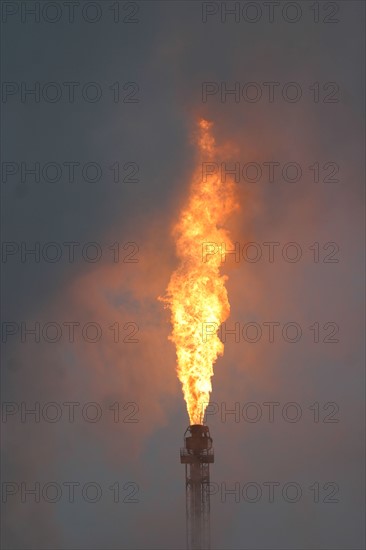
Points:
x=197 y=454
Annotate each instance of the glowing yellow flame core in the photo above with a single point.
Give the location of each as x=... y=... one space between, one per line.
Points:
x=196 y=293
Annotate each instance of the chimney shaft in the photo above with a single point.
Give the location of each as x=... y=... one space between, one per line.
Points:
x=197 y=454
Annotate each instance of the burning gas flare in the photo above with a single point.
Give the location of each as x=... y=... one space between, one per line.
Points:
x=196 y=294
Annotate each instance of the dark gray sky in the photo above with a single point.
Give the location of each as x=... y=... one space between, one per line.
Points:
x=162 y=60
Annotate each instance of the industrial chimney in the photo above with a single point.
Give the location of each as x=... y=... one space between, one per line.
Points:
x=197 y=454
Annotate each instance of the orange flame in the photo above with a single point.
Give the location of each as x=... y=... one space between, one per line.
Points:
x=196 y=293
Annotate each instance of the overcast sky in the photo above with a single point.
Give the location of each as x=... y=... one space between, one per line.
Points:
x=117 y=101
